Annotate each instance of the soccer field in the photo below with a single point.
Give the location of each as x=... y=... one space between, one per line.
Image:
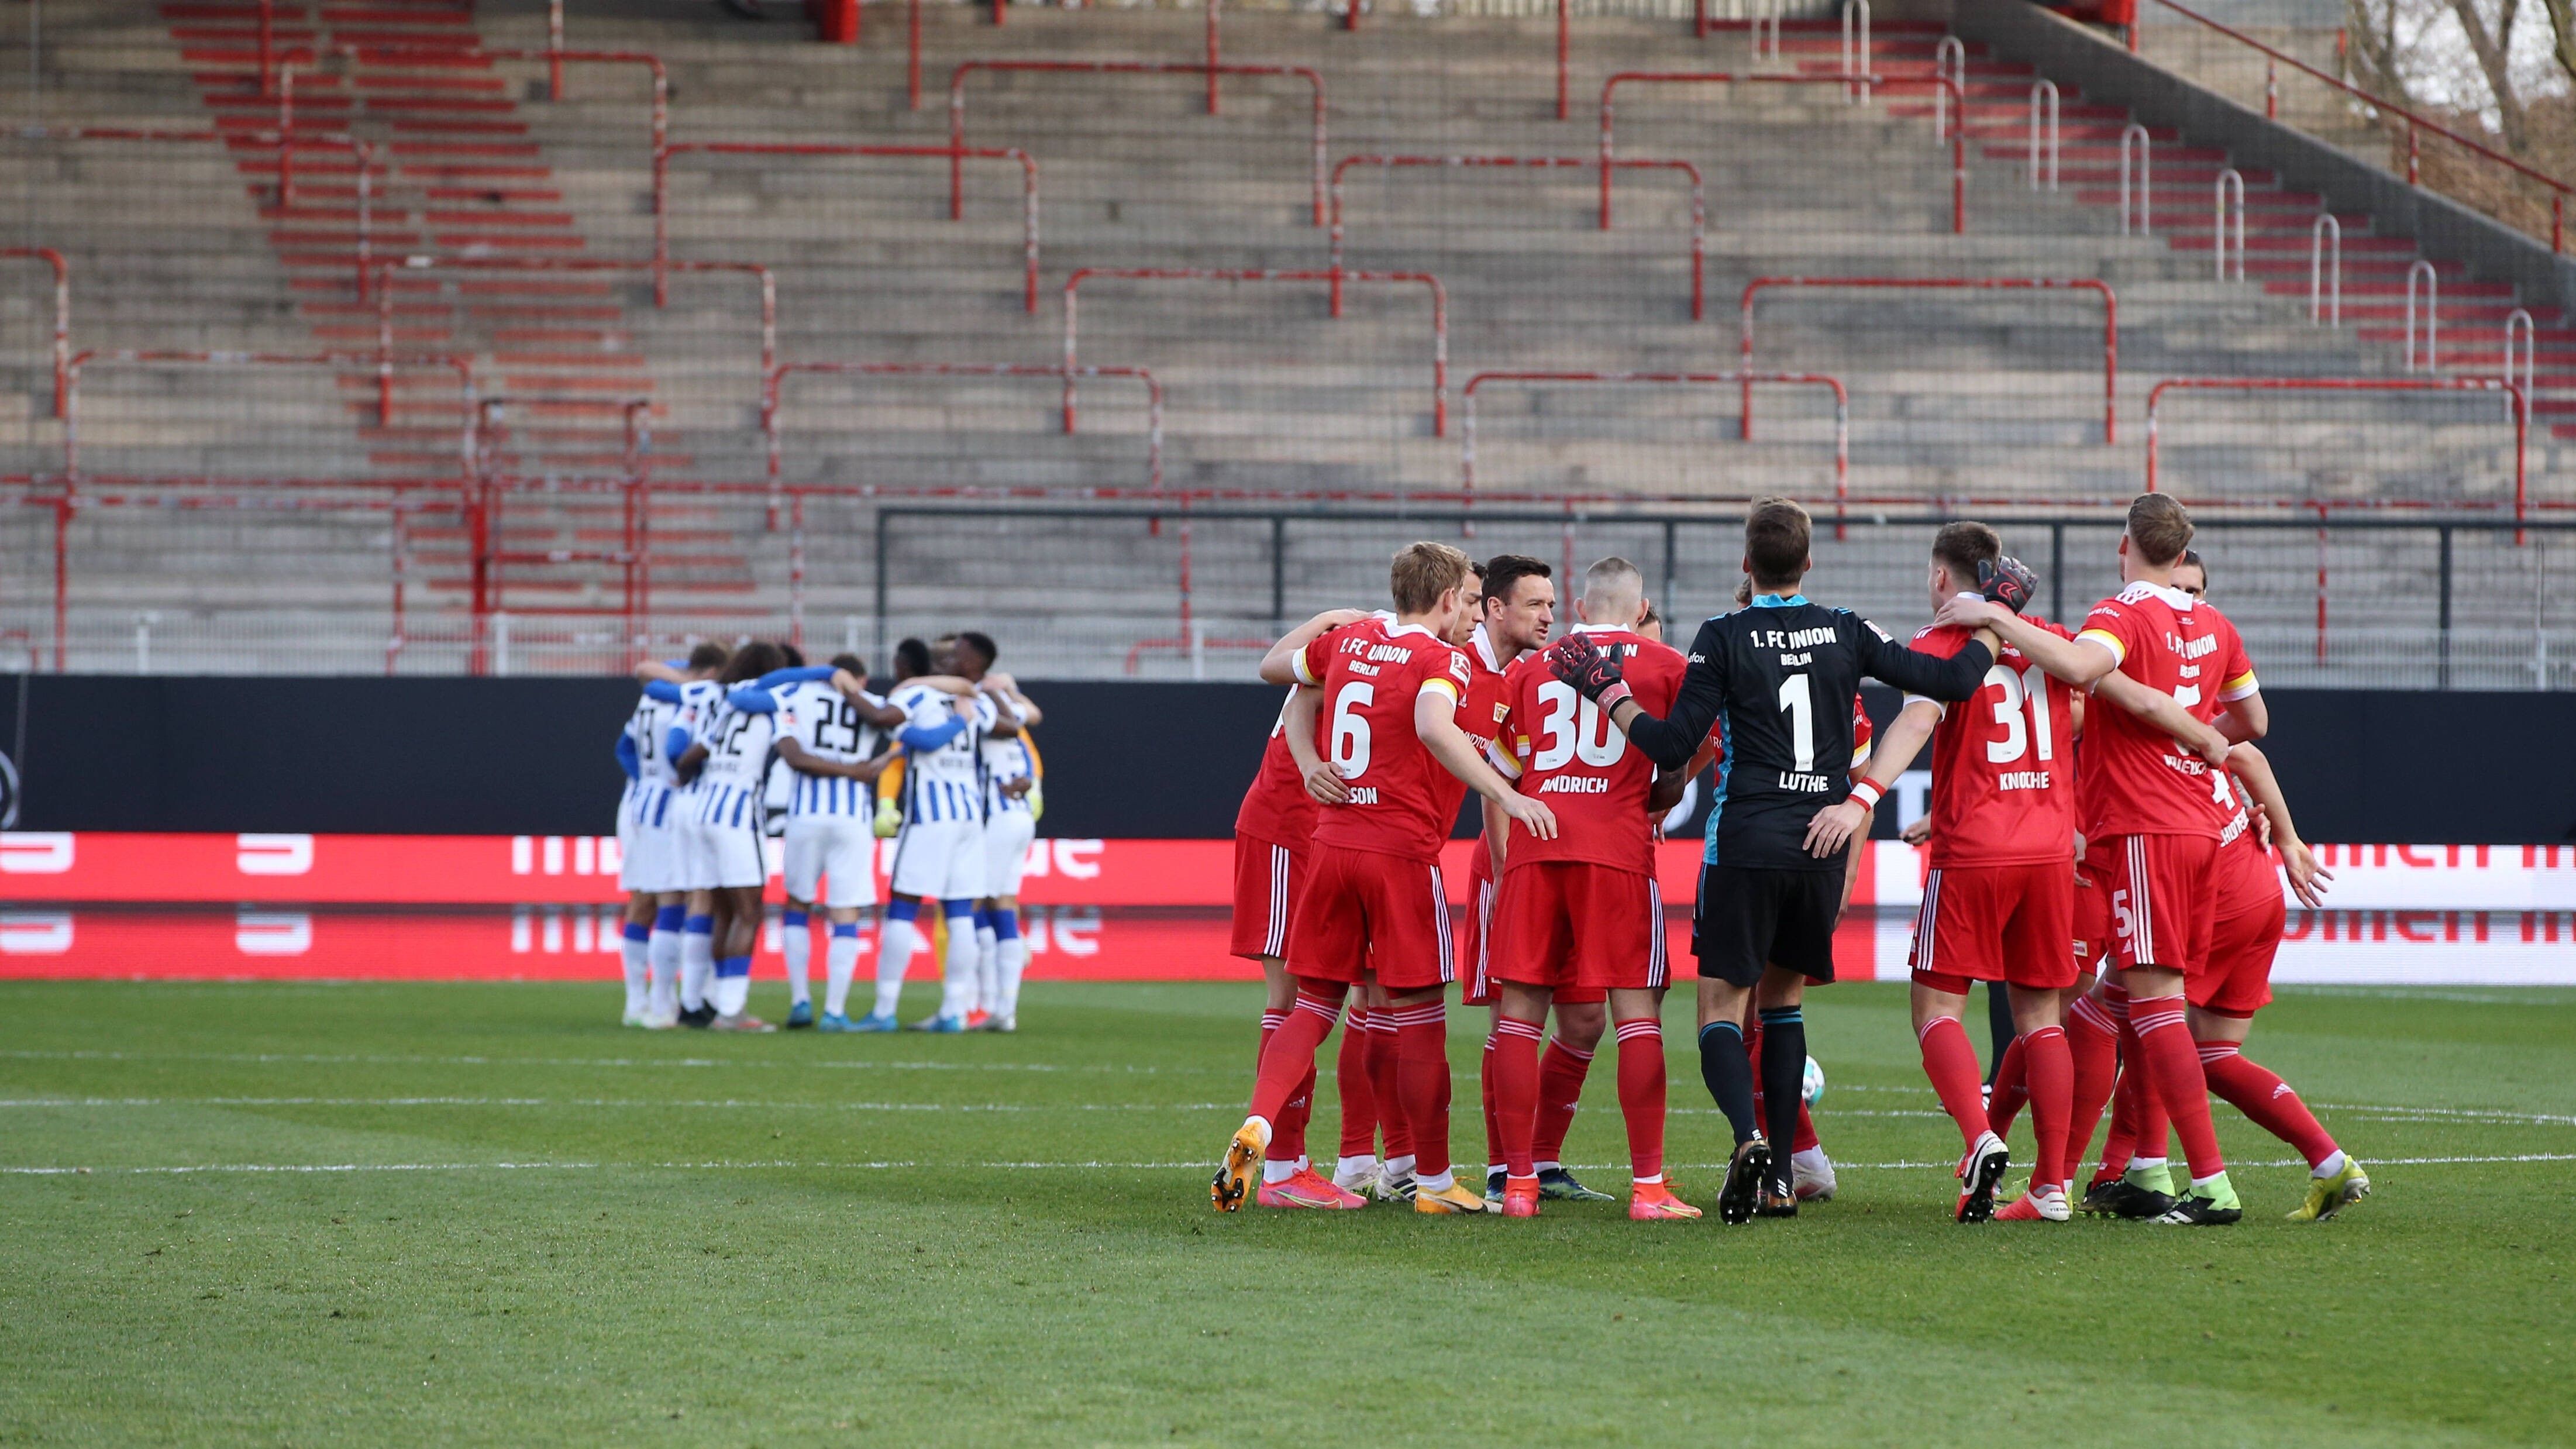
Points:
x=482 y=1213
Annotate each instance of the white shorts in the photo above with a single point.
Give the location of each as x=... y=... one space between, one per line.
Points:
x=648 y=852
x=1006 y=850
x=722 y=856
x=840 y=849
x=940 y=860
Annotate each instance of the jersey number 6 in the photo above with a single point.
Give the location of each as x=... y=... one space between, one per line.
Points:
x=1350 y=729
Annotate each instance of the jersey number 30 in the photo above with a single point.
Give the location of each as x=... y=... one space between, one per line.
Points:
x=1574 y=728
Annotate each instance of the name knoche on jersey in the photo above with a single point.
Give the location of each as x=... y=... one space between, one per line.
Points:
x=2022 y=780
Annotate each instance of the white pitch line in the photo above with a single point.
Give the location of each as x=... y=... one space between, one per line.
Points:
x=1944 y=1165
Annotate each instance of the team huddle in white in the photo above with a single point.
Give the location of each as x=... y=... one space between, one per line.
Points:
x=729 y=748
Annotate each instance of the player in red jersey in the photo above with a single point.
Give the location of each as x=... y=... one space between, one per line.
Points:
x=1580 y=911
x=2245 y=935
x=1374 y=907
x=1519 y=611
x=1271 y=834
x=2152 y=811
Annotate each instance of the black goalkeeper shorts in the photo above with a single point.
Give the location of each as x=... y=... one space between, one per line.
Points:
x=1748 y=918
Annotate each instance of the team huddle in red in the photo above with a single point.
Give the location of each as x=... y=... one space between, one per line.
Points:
x=2139 y=874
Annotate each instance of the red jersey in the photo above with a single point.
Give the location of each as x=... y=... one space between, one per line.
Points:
x=1564 y=751
x=1371 y=673
x=2003 y=787
x=1480 y=716
x=1277 y=808
x=2246 y=876
x=2136 y=781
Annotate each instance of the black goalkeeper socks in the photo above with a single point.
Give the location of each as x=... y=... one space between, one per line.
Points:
x=1784 y=1078
x=1729 y=1075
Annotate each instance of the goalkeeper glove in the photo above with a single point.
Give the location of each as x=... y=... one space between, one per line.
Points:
x=889 y=820
x=1581 y=663
x=2007 y=581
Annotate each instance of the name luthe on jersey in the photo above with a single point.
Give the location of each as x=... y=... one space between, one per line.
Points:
x=1805 y=784
x=1575 y=785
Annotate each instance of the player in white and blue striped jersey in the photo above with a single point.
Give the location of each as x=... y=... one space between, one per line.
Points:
x=832 y=735
x=939 y=847
x=650 y=869
x=676 y=703
x=1011 y=770
x=725 y=771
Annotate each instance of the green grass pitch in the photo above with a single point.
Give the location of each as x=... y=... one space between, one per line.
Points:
x=552 y=1230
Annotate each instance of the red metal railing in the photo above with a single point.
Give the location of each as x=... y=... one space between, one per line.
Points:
x=1699 y=203
x=385 y=362
x=62 y=314
x=1957 y=133
x=2110 y=321
x=2517 y=404
x=659 y=269
x=2415 y=124
x=485 y=500
x=1212 y=69
x=1439 y=315
x=369 y=167
x=1189 y=640
x=1842 y=408
x=769 y=409
x=1028 y=185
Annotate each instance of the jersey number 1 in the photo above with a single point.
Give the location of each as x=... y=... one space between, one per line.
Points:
x=1801 y=708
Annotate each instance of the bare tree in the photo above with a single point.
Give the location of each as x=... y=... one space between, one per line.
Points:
x=2493 y=49
x=2562 y=28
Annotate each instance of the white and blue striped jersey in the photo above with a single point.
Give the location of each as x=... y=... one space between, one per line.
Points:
x=826 y=722
x=730 y=783
x=1007 y=759
x=945 y=783
x=700 y=701
x=647 y=800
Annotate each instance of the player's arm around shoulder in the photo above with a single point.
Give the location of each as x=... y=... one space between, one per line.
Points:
x=1435 y=723
x=1281 y=664
x=1949 y=677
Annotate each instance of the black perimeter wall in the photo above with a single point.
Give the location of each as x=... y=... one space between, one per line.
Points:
x=1136 y=761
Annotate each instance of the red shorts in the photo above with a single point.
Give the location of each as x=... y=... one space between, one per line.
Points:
x=1475 y=952
x=2092 y=924
x=2010 y=923
x=1363 y=913
x=1267 y=879
x=2160 y=893
x=2241 y=946
x=1575 y=925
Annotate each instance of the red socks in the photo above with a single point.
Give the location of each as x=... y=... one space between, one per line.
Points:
x=2050 y=1069
x=2172 y=1063
x=1561 y=1070
x=2093 y=1041
x=1952 y=1065
x=1422 y=1082
x=1512 y=1059
x=2265 y=1100
x=1359 y=1096
x=1641 y=1094
x=1269 y=1027
x=1382 y=1083
x=1288 y=1066
x=2010 y=1090
x=1493 y=1124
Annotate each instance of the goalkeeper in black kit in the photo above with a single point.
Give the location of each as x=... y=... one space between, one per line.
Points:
x=1775 y=680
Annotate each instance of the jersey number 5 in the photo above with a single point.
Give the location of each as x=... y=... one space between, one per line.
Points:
x=1351 y=729
x=1574 y=727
